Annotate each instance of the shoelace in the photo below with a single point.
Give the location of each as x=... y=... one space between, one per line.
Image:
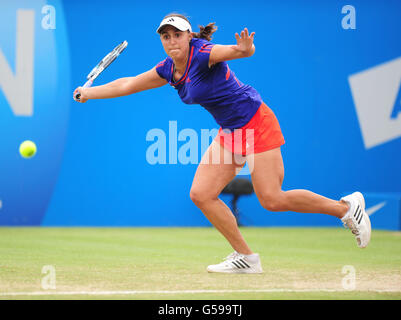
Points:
x=235 y=259
x=230 y=256
x=233 y=256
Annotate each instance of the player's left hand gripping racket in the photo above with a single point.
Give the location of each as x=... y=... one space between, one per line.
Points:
x=106 y=61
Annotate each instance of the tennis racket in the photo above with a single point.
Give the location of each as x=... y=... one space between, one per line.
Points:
x=102 y=65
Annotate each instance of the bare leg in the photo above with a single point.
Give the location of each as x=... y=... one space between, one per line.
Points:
x=215 y=171
x=267 y=177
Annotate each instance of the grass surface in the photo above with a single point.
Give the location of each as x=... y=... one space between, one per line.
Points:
x=298 y=263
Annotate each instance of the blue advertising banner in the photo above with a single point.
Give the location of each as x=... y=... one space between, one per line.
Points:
x=330 y=71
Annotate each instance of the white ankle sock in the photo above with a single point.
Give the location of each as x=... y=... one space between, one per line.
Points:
x=254 y=257
x=350 y=209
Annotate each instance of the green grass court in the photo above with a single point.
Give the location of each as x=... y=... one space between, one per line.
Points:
x=170 y=263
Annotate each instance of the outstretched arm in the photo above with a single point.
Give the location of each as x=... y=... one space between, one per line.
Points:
x=123 y=86
x=243 y=48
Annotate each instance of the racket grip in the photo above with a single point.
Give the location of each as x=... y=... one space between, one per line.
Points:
x=86 y=85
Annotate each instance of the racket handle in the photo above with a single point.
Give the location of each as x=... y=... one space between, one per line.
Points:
x=86 y=85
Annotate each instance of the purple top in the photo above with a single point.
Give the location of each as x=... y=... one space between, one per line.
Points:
x=231 y=103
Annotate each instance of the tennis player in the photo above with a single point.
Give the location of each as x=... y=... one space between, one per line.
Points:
x=198 y=70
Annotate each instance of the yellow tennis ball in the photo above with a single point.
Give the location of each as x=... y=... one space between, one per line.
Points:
x=27 y=149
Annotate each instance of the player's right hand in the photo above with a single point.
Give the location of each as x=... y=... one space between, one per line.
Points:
x=82 y=97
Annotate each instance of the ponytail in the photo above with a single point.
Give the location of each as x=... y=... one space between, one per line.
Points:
x=206 y=32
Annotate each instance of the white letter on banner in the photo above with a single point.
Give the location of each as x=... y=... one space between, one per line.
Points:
x=18 y=88
x=349 y=21
x=49 y=20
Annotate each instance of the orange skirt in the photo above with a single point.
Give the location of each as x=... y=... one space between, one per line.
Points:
x=261 y=133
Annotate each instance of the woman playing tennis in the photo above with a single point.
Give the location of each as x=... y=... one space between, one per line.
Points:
x=198 y=70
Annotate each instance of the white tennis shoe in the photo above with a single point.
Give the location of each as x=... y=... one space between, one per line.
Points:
x=237 y=263
x=356 y=219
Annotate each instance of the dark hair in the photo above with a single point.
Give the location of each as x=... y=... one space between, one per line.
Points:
x=204 y=32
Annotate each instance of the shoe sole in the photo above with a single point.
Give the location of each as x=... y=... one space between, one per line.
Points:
x=237 y=272
x=361 y=200
x=243 y=271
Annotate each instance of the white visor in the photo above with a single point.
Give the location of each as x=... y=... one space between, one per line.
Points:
x=180 y=23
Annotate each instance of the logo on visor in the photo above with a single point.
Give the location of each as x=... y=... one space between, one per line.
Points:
x=170 y=20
